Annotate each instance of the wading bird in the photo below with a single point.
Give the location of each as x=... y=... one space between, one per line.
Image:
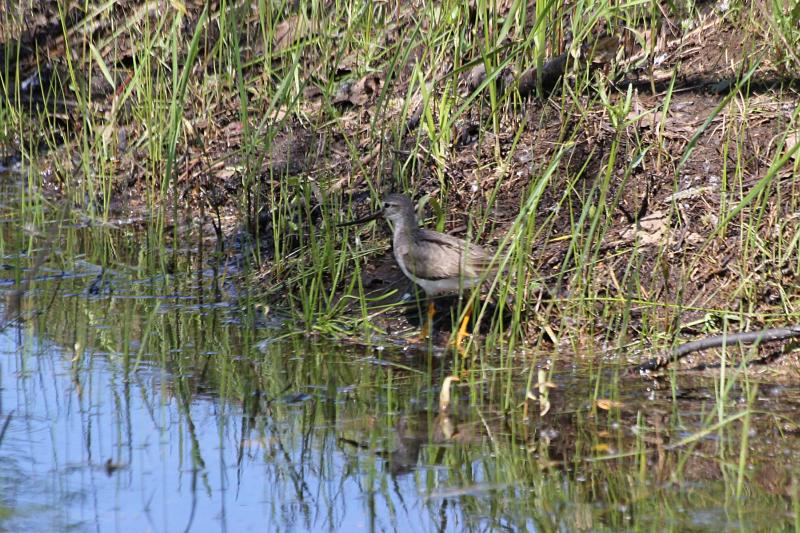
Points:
x=437 y=262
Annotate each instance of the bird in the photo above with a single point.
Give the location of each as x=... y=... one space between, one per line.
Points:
x=437 y=262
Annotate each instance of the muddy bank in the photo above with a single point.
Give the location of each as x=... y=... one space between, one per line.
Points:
x=666 y=214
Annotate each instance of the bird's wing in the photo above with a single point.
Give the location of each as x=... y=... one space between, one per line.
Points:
x=453 y=257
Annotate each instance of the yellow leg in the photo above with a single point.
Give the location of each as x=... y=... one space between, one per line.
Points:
x=462 y=330
x=427 y=325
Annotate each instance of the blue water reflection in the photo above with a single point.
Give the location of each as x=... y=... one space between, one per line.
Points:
x=86 y=449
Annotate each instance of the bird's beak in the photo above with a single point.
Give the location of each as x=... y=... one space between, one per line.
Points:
x=371 y=216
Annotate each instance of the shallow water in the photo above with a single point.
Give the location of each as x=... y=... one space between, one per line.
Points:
x=96 y=448
x=139 y=398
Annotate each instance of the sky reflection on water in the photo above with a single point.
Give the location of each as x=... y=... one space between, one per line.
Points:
x=93 y=453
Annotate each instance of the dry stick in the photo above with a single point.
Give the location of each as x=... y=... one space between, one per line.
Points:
x=759 y=337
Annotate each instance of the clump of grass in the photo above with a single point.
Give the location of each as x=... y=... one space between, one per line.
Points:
x=210 y=98
x=199 y=79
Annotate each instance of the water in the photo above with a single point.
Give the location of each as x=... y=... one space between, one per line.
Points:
x=139 y=399
x=91 y=446
x=129 y=410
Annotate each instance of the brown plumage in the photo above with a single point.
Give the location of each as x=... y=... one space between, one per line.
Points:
x=437 y=262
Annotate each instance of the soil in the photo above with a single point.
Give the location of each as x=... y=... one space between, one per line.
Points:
x=657 y=198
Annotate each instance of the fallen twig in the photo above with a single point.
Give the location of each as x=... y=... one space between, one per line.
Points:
x=749 y=337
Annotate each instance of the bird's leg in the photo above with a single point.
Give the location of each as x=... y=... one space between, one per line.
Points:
x=462 y=330
x=427 y=325
x=426 y=329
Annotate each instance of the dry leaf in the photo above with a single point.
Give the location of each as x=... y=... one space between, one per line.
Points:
x=233 y=128
x=289 y=31
x=606 y=404
x=444 y=394
x=179 y=6
x=360 y=92
x=651 y=229
x=604 y=50
x=225 y=173
x=311 y=91
x=693 y=192
x=476 y=76
x=544 y=406
x=791 y=141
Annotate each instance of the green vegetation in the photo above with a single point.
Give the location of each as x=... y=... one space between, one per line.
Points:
x=282 y=114
x=646 y=196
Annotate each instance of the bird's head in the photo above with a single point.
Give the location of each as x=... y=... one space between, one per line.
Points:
x=398 y=208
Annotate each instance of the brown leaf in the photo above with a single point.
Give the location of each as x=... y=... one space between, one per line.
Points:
x=289 y=31
x=651 y=229
x=604 y=50
x=365 y=89
x=311 y=92
x=233 y=128
x=444 y=394
x=476 y=76
x=225 y=173
x=605 y=404
x=360 y=92
x=791 y=140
